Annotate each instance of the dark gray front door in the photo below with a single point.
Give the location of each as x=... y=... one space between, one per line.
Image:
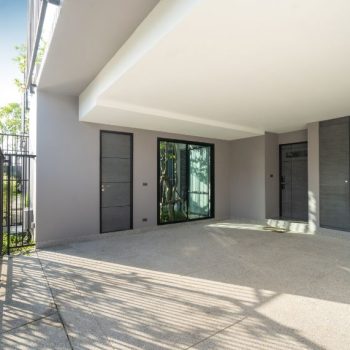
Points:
x=116 y=181
x=294 y=181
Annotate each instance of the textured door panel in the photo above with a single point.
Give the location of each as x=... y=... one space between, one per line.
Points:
x=115 y=194
x=116 y=146
x=115 y=170
x=334 y=174
x=116 y=181
x=115 y=219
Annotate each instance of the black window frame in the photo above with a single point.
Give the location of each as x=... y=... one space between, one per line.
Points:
x=212 y=178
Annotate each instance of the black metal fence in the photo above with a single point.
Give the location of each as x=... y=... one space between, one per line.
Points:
x=14 y=144
x=1 y=201
x=17 y=193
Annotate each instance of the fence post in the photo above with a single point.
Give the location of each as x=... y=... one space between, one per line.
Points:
x=8 y=204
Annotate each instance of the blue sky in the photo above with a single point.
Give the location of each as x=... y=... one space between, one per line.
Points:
x=13 y=21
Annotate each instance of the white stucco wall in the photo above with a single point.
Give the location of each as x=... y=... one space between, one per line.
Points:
x=68 y=172
x=293 y=137
x=248 y=178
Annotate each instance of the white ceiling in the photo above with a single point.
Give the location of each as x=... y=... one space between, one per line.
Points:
x=86 y=36
x=226 y=68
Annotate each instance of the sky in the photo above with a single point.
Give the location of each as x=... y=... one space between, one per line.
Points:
x=13 y=26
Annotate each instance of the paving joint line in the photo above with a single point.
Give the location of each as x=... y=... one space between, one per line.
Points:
x=217 y=332
x=54 y=302
x=91 y=313
x=29 y=322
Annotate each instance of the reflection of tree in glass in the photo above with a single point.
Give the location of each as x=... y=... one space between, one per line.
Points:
x=172 y=204
x=199 y=180
x=199 y=163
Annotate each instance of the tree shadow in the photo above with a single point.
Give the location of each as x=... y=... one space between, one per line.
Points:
x=147 y=309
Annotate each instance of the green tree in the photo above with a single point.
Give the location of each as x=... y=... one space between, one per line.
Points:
x=21 y=60
x=11 y=118
x=11 y=114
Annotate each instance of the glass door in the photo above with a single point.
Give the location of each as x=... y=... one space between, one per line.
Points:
x=199 y=205
x=172 y=182
x=185 y=189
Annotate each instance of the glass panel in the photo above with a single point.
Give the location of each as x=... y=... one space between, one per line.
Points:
x=286 y=181
x=199 y=182
x=173 y=182
x=299 y=185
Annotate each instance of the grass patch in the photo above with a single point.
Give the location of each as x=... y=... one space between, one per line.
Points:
x=27 y=239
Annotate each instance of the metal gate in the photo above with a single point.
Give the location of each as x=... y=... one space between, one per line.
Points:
x=17 y=193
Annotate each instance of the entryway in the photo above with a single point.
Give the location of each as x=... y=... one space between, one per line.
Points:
x=294 y=181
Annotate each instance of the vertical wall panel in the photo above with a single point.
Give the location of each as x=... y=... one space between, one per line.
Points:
x=334 y=174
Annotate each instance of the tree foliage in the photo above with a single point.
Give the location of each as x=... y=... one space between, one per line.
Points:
x=21 y=60
x=11 y=114
x=11 y=118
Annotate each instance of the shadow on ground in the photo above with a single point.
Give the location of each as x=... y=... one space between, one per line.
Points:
x=200 y=286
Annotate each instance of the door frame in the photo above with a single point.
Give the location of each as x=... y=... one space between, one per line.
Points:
x=212 y=178
x=280 y=169
x=131 y=176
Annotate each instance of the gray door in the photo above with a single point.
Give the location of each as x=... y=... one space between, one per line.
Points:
x=116 y=181
x=334 y=174
x=294 y=181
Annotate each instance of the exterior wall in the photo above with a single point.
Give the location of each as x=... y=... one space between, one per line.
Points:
x=67 y=169
x=68 y=172
x=272 y=175
x=314 y=183
x=313 y=176
x=248 y=178
x=293 y=137
x=32 y=150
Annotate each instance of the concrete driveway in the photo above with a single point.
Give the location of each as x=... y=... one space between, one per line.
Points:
x=204 y=285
